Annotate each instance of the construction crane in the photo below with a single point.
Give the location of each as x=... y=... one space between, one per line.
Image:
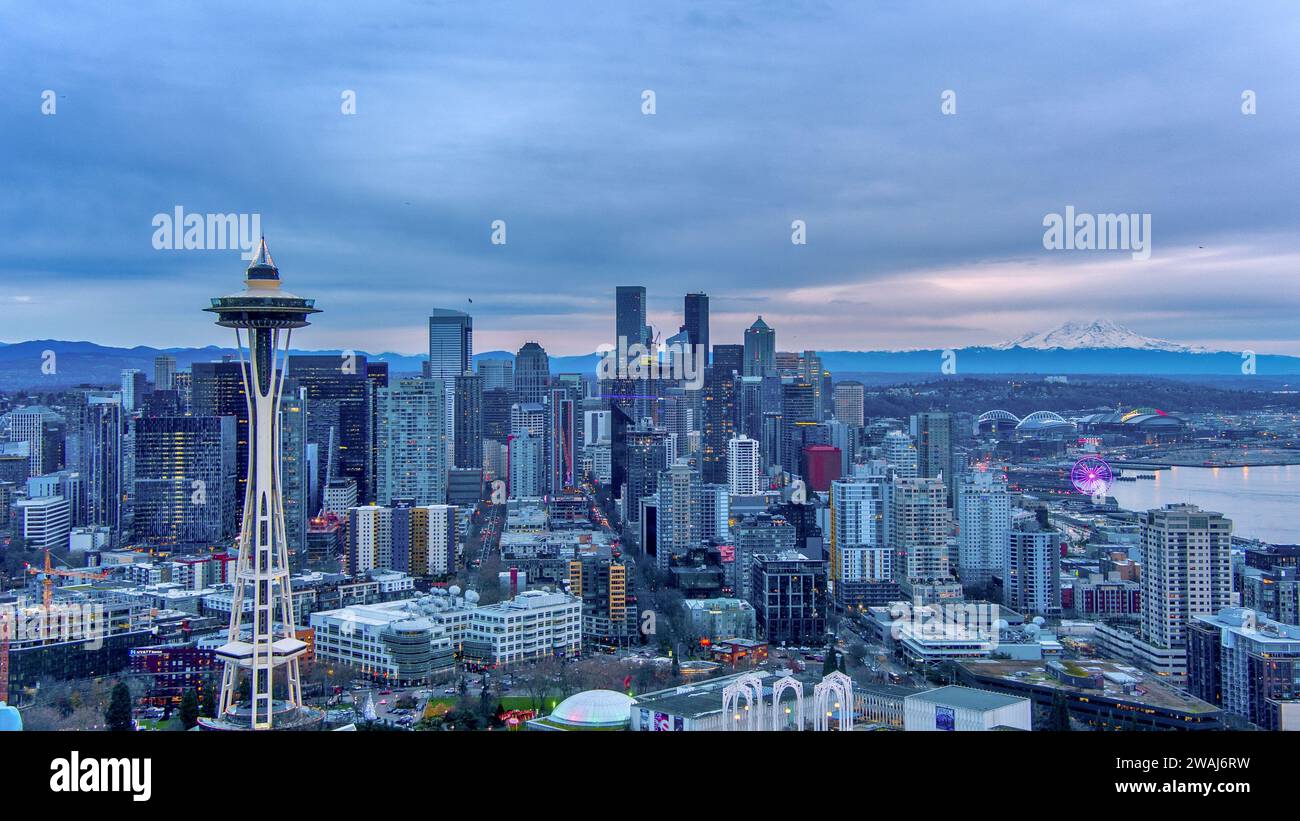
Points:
x=8 y=617
x=48 y=573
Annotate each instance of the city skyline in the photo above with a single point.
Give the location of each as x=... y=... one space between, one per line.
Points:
x=923 y=229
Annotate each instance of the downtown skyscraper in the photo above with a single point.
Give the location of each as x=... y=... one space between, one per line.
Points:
x=760 y=349
x=696 y=314
x=630 y=315
x=451 y=343
x=532 y=373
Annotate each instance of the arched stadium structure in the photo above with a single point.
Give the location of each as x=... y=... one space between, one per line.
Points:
x=995 y=420
x=1036 y=422
x=1043 y=420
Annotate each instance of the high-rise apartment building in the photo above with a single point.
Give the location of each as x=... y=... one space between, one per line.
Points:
x=744 y=475
x=918 y=527
x=678 y=489
x=933 y=434
x=860 y=549
x=606 y=586
x=36 y=425
x=1031 y=576
x=561 y=438
x=412 y=460
x=850 y=401
x=900 y=454
x=295 y=481
x=1186 y=570
x=984 y=516
x=715 y=513
x=424 y=540
x=760 y=533
x=526 y=458
x=370 y=539
x=719 y=425
x=467 y=439
x=164 y=372
x=134 y=386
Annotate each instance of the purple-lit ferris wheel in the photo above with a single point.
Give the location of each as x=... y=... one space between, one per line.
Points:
x=1091 y=476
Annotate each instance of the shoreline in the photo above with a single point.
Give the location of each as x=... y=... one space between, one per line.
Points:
x=1154 y=466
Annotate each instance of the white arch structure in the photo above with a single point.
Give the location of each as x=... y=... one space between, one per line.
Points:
x=1042 y=417
x=787 y=683
x=997 y=417
x=750 y=687
x=834 y=692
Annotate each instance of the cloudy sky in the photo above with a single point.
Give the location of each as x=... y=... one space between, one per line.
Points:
x=923 y=229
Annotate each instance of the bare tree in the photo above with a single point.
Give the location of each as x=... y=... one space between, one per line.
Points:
x=539 y=679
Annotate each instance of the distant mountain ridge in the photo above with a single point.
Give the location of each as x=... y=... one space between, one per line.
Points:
x=1096 y=347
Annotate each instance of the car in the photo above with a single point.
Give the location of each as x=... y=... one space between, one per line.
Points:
x=450 y=691
x=383 y=701
x=385 y=692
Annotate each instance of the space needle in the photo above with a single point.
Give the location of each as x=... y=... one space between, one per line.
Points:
x=262 y=640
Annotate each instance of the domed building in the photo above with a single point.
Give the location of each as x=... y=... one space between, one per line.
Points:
x=588 y=710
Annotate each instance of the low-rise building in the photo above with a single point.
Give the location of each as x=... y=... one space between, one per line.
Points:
x=1100 y=693
x=720 y=618
x=957 y=708
x=1247 y=664
x=532 y=625
x=394 y=642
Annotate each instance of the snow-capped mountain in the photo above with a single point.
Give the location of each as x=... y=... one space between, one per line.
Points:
x=1100 y=333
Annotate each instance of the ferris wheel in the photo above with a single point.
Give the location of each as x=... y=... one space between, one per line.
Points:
x=1091 y=476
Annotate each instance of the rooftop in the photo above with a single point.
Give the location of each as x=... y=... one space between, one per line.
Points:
x=1147 y=689
x=967 y=697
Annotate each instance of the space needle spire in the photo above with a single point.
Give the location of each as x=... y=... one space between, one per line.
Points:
x=262 y=641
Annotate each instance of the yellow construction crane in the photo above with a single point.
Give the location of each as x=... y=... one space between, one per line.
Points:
x=7 y=625
x=50 y=571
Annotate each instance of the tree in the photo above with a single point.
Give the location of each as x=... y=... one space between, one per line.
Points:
x=190 y=709
x=538 y=679
x=1059 y=718
x=118 y=714
x=828 y=663
x=486 y=712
